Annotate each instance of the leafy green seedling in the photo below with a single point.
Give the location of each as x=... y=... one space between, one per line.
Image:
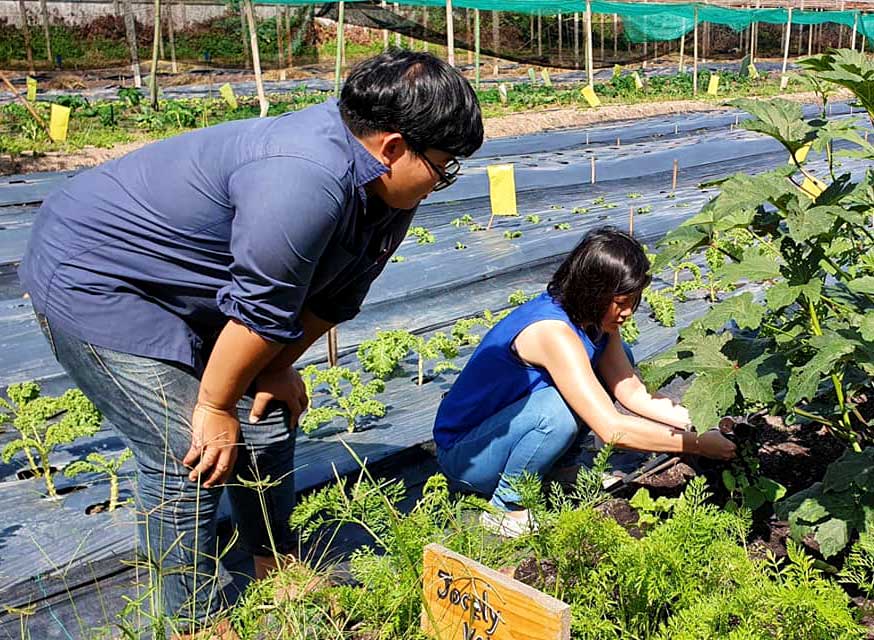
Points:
x=476 y=227
x=610 y=205
x=43 y=423
x=511 y=235
x=461 y=330
x=519 y=297
x=633 y=195
x=629 y=331
x=644 y=210
x=562 y=226
x=662 y=306
x=556 y=207
x=460 y=246
x=681 y=289
x=650 y=512
x=398 y=259
x=600 y=200
x=682 y=205
x=671 y=196
x=382 y=355
x=98 y=463
x=580 y=210
x=421 y=234
x=464 y=221
x=533 y=218
x=352 y=399
x=439 y=345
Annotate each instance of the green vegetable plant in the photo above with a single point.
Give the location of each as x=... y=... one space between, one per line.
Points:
x=439 y=347
x=629 y=331
x=421 y=234
x=747 y=487
x=633 y=195
x=644 y=209
x=580 y=210
x=682 y=288
x=599 y=201
x=460 y=246
x=533 y=218
x=464 y=221
x=662 y=306
x=511 y=235
x=43 y=423
x=98 y=463
x=519 y=297
x=397 y=258
x=383 y=354
x=806 y=351
x=351 y=399
x=651 y=512
x=562 y=226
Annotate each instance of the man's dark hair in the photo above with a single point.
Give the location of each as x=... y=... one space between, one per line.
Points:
x=606 y=263
x=417 y=95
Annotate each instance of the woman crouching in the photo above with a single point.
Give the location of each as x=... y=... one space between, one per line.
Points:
x=549 y=368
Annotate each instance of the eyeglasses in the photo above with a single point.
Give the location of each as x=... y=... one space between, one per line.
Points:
x=448 y=175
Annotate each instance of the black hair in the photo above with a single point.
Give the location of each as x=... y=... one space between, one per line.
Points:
x=606 y=263
x=417 y=95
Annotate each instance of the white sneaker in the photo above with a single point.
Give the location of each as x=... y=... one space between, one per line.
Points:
x=507 y=527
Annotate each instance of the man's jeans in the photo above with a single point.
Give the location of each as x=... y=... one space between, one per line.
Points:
x=150 y=402
x=530 y=435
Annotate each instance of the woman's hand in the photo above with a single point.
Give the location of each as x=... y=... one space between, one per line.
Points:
x=214 y=438
x=713 y=444
x=284 y=385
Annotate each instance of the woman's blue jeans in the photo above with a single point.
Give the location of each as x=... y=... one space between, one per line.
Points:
x=529 y=435
x=150 y=403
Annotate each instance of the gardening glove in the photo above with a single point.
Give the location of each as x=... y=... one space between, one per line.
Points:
x=214 y=437
x=712 y=444
x=285 y=386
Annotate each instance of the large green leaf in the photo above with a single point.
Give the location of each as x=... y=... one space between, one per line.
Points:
x=743 y=309
x=755 y=380
x=865 y=285
x=757 y=265
x=808 y=222
x=866 y=327
x=679 y=243
x=781 y=119
x=846 y=68
x=832 y=536
x=709 y=397
x=851 y=469
x=804 y=380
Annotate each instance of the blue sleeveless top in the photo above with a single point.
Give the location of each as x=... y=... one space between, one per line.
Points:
x=495 y=377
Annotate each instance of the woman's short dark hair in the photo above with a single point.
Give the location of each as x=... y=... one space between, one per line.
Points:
x=417 y=95
x=606 y=263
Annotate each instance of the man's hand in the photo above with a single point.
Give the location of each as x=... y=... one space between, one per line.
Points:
x=713 y=444
x=214 y=438
x=284 y=385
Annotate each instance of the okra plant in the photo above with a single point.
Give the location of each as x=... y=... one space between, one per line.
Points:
x=43 y=423
x=98 y=463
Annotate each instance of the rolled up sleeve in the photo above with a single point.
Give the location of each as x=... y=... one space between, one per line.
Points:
x=286 y=211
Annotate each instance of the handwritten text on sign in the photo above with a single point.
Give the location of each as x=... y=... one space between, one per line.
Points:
x=465 y=600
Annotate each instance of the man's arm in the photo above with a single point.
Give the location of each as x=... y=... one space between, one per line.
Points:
x=313 y=328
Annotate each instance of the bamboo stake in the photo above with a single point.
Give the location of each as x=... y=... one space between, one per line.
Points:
x=476 y=47
x=615 y=35
x=44 y=11
x=592 y=159
x=681 y=68
x=631 y=221
x=25 y=32
x=280 y=46
x=385 y=42
x=695 y=55
x=131 y=33
x=450 y=35
x=496 y=31
x=539 y=35
x=171 y=32
x=784 y=79
x=341 y=44
x=26 y=104
x=333 y=347
x=244 y=35
x=559 y=39
x=674 y=176
x=855 y=29
x=156 y=39
x=576 y=40
x=256 y=57
x=288 y=39
x=467 y=23
x=602 y=37
x=590 y=64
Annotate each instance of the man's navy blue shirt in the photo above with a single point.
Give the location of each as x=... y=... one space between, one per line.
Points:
x=152 y=253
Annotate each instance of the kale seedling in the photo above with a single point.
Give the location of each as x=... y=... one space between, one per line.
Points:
x=600 y=200
x=511 y=235
x=382 y=355
x=633 y=195
x=460 y=246
x=44 y=422
x=519 y=297
x=398 y=259
x=644 y=210
x=464 y=221
x=533 y=218
x=580 y=210
x=352 y=399
x=421 y=234
x=562 y=226
x=662 y=306
x=629 y=331
x=439 y=345
x=98 y=463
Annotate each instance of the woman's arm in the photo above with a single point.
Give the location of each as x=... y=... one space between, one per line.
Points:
x=553 y=345
x=621 y=380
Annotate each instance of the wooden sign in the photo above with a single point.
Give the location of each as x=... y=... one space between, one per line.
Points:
x=813 y=187
x=591 y=97
x=753 y=72
x=713 y=87
x=532 y=77
x=31 y=89
x=502 y=190
x=502 y=93
x=465 y=600
x=638 y=83
x=802 y=152
x=544 y=74
x=58 y=122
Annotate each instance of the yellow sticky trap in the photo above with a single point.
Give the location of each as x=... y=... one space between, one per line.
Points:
x=532 y=77
x=637 y=81
x=502 y=190
x=754 y=73
x=801 y=153
x=31 y=89
x=713 y=87
x=813 y=187
x=226 y=91
x=547 y=81
x=58 y=122
x=591 y=97
x=502 y=93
